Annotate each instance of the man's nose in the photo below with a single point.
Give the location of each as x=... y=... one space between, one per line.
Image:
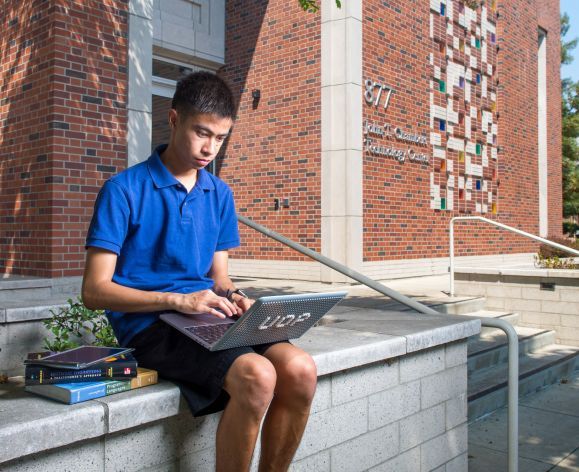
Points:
x=210 y=146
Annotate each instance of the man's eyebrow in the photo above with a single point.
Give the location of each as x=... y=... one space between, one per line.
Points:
x=208 y=131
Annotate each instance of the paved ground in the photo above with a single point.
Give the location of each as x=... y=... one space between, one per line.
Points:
x=548 y=433
x=548 y=420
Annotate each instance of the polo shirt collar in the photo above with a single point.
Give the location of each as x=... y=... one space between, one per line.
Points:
x=163 y=178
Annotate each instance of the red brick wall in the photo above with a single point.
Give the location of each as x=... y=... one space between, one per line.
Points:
x=63 y=119
x=397 y=214
x=27 y=55
x=398 y=220
x=549 y=20
x=275 y=148
x=63 y=126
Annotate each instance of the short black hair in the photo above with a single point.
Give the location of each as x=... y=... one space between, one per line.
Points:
x=204 y=92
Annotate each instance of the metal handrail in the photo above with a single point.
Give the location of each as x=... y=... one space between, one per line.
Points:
x=513 y=340
x=499 y=225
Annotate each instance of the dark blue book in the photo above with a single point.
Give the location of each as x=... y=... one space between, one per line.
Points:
x=122 y=368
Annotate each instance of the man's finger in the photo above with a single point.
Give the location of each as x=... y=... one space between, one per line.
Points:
x=217 y=313
x=226 y=306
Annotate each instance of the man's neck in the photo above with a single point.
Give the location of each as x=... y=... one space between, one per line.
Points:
x=186 y=175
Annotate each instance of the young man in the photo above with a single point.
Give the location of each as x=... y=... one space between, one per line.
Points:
x=158 y=241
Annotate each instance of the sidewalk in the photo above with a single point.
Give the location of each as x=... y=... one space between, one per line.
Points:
x=548 y=433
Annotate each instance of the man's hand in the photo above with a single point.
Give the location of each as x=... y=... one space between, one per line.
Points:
x=243 y=303
x=206 y=301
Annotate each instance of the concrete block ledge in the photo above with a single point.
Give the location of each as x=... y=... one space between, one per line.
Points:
x=522 y=271
x=30 y=424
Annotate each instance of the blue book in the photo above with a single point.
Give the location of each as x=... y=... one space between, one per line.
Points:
x=81 y=391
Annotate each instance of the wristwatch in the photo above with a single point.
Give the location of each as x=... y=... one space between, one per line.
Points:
x=238 y=291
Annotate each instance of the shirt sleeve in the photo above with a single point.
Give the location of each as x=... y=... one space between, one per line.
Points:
x=110 y=221
x=229 y=231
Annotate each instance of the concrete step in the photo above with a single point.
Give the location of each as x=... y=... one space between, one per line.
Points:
x=510 y=317
x=491 y=349
x=456 y=305
x=30 y=310
x=28 y=289
x=487 y=389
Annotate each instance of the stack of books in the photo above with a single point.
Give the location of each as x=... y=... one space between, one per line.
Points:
x=78 y=382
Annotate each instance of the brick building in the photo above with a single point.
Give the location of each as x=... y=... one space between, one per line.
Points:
x=361 y=131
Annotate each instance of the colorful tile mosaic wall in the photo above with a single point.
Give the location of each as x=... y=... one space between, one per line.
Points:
x=463 y=98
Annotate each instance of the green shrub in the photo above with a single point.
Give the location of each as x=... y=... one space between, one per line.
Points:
x=74 y=325
x=570 y=228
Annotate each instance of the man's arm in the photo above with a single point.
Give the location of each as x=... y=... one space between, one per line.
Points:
x=223 y=285
x=100 y=292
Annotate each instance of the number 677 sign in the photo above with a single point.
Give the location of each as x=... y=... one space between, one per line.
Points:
x=374 y=93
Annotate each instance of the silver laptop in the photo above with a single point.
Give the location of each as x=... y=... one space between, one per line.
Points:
x=270 y=319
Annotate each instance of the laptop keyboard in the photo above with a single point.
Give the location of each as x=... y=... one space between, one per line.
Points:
x=209 y=333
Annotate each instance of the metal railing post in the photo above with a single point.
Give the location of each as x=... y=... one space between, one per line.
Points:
x=513 y=390
x=451 y=236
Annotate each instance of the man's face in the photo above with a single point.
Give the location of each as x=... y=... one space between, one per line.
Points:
x=197 y=139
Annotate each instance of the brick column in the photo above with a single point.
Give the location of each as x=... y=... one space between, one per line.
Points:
x=63 y=126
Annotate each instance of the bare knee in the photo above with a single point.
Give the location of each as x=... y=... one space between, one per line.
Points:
x=297 y=379
x=251 y=382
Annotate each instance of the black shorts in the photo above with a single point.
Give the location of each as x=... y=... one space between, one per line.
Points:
x=198 y=372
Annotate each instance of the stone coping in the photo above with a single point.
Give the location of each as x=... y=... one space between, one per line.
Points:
x=523 y=271
x=353 y=338
x=14 y=312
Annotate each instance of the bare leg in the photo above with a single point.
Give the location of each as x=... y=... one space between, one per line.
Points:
x=289 y=410
x=250 y=382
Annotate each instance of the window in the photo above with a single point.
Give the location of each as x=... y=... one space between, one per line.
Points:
x=542 y=133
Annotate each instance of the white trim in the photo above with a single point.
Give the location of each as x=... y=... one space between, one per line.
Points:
x=139 y=104
x=381 y=270
x=163 y=87
x=384 y=270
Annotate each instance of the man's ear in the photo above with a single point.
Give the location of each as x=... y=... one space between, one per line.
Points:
x=172 y=117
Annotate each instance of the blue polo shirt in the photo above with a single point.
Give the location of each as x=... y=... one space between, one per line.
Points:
x=164 y=237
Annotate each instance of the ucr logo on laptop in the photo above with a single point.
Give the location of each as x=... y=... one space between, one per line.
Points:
x=283 y=321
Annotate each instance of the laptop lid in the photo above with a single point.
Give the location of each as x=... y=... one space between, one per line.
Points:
x=270 y=319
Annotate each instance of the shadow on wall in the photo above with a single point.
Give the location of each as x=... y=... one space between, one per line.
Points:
x=21 y=22
x=237 y=77
x=57 y=101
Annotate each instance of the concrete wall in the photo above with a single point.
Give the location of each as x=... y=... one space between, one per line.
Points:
x=521 y=292
x=405 y=414
x=194 y=28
